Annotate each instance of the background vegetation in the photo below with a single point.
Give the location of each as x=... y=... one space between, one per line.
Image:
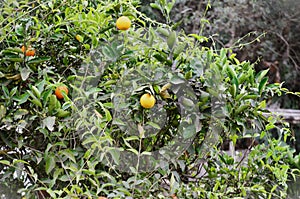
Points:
x=98 y=141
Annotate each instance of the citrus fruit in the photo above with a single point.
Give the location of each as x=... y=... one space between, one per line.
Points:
x=23 y=48
x=147 y=100
x=28 y=51
x=123 y=23
x=59 y=90
x=79 y=38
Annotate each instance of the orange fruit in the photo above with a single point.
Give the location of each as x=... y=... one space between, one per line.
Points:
x=123 y=23
x=147 y=100
x=59 y=90
x=28 y=51
x=23 y=48
x=102 y=197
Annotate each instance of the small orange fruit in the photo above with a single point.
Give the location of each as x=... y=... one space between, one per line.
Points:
x=102 y=197
x=59 y=90
x=147 y=100
x=123 y=23
x=23 y=48
x=28 y=51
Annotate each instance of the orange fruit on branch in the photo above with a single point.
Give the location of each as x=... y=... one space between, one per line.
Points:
x=28 y=51
x=123 y=23
x=59 y=91
x=147 y=100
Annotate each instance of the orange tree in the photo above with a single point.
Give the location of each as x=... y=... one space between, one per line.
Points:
x=95 y=139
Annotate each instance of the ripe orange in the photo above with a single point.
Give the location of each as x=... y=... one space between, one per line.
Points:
x=29 y=51
x=102 y=197
x=59 y=90
x=23 y=48
x=147 y=100
x=123 y=23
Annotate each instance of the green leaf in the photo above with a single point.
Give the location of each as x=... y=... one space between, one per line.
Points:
x=132 y=138
x=37 y=102
x=151 y=36
x=199 y=37
x=69 y=154
x=36 y=92
x=62 y=113
x=230 y=71
x=12 y=50
x=115 y=154
x=240 y=96
x=178 y=49
x=262 y=85
x=16 y=161
x=261 y=75
x=270 y=126
x=163 y=31
x=155 y=6
x=250 y=96
x=234 y=87
x=188 y=75
x=154 y=125
x=169 y=6
x=172 y=39
x=133 y=151
x=13 y=91
x=20 y=113
x=242 y=108
x=50 y=163
x=262 y=135
x=14 y=59
x=5 y=162
x=39 y=60
x=19 y=29
x=22 y=98
x=5 y=91
x=107 y=113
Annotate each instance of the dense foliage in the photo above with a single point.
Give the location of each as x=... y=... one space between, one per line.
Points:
x=270 y=26
x=98 y=140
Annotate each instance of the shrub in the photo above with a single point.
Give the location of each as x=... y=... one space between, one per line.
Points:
x=97 y=140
